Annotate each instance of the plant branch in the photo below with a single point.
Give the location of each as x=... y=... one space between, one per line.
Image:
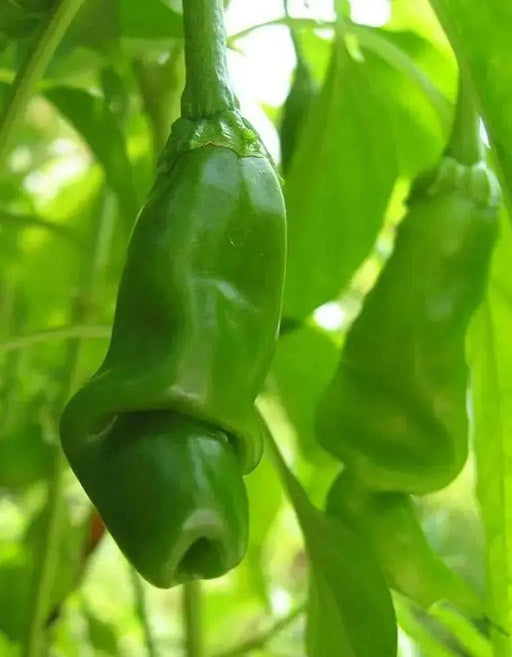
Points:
x=22 y=221
x=142 y=614
x=260 y=640
x=33 y=68
x=465 y=144
x=84 y=331
x=46 y=567
x=284 y=20
x=192 y=619
x=372 y=40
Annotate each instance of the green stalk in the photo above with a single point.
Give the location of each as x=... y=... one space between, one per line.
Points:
x=465 y=144
x=296 y=45
x=259 y=641
x=142 y=614
x=192 y=619
x=33 y=68
x=46 y=567
x=84 y=331
x=207 y=89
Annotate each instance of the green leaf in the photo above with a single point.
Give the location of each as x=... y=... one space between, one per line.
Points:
x=71 y=548
x=429 y=643
x=151 y=19
x=468 y=636
x=490 y=356
x=420 y=113
x=390 y=523
x=480 y=35
x=26 y=457
x=350 y=610
x=94 y=121
x=265 y=499
x=102 y=635
x=433 y=73
x=14 y=595
x=304 y=363
x=17 y=21
x=339 y=185
x=100 y=25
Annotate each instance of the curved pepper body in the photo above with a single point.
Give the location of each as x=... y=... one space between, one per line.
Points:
x=404 y=355
x=194 y=331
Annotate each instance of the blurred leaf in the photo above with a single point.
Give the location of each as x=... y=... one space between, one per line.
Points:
x=474 y=643
x=317 y=51
x=417 y=15
x=103 y=636
x=74 y=532
x=7 y=648
x=101 y=25
x=295 y=111
x=348 y=594
x=390 y=523
x=265 y=499
x=18 y=21
x=15 y=581
x=304 y=363
x=419 y=112
x=490 y=356
x=338 y=186
x=26 y=457
x=94 y=121
x=480 y=35
x=48 y=296
x=151 y=19
x=18 y=221
x=426 y=640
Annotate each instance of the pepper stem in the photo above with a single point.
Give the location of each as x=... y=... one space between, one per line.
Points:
x=207 y=89
x=295 y=41
x=192 y=619
x=465 y=144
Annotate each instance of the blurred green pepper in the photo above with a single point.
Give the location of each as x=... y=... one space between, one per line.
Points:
x=395 y=410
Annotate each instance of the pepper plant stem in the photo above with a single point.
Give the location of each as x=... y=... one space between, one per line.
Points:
x=192 y=619
x=465 y=144
x=259 y=641
x=142 y=613
x=33 y=68
x=207 y=89
x=46 y=568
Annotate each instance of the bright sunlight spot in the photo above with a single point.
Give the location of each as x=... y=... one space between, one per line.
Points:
x=371 y=12
x=330 y=316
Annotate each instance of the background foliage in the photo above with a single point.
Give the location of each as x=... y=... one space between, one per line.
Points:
x=78 y=167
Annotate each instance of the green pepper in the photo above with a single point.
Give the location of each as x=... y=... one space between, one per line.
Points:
x=395 y=411
x=162 y=434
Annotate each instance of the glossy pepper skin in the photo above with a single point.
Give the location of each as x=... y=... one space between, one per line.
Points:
x=162 y=434
x=395 y=411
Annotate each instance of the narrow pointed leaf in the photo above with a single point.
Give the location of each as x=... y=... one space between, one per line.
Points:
x=339 y=185
x=490 y=356
x=350 y=611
